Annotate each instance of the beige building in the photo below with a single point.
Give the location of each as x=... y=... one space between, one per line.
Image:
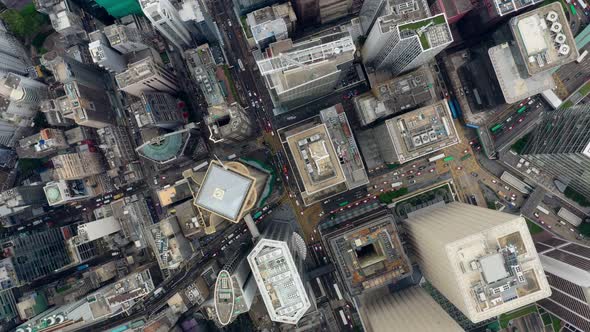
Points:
x=78 y=165
x=483 y=261
x=411 y=309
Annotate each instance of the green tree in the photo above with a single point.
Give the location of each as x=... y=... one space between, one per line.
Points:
x=584 y=229
x=25 y=23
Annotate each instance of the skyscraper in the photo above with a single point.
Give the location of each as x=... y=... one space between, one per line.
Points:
x=66 y=191
x=12 y=55
x=21 y=96
x=66 y=69
x=560 y=146
x=103 y=55
x=77 y=165
x=199 y=22
x=124 y=38
x=37 y=253
x=567 y=266
x=483 y=261
x=146 y=75
x=85 y=105
x=276 y=263
x=157 y=109
x=45 y=143
x=411 y=310
x=229 y=123
x=167 y=21
x=296 y=73
x=406 y=37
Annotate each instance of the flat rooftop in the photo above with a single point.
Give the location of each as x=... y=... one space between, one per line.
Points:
x=432 y=31
x=544 y=38
x=224 y=191
x=165 y=148
x=324 y=153
x=279 y=281
x=504 y=7
x=514 y=85
x=396 y=95
x=422 y=131
x=370 y=254
x=175 y=193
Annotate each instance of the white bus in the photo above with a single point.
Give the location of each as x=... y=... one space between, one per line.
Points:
x=583 y=4
x=344 y=321
x=338 y=292
x=582 y=56
x=437 y=157
x=542 y=209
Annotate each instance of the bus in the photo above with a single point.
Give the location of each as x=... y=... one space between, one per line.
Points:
x=542 y=209
x=496 y=127
x=465 y=157
x=582 y=4
x=582 y=56
x=449 y=158
x=452 y=108
x=437 y=157
x=337 y=291
x=344 y=321
x=521 y=110
x=257 y=215
x=241 y=65
x=573 y=9
x=343 y=203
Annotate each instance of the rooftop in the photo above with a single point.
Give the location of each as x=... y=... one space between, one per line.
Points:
x=396 y=95
x=504 y=7
x=202 y=67
x=175 y=193
x=422 y=131
x=370 y=254
x=515 y=86
x=432 y=31
x=279 y=281
x=544 y=38
x=226 y=190
x=165 y=148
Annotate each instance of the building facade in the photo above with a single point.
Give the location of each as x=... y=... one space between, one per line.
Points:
x=166 y=19
x=146 y=75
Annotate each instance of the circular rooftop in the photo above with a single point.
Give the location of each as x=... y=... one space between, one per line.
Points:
x=53 y=194
x=163 y=148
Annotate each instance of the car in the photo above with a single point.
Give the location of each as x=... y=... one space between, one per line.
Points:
x=410 y=177
x=531 y=102
x=411 y=171
x=412 y=181
x=163 y=178
x=494 y=181
x=414 y=166
x=396 y=173
x=384 y=182
x=507 y=188
x=99 y=200
x=538 y=105
x=536 y=215
x=474 y=174
x=431 y=170
x=571 y=229
x=249 y=93
x=513 y=194
x=155 y=181
x=542 y=222
x=459 y=168
x=511 y=127
x=520 y=120
x=421 y=168
x=419 y=173
x=465 y=151
x=129 y=189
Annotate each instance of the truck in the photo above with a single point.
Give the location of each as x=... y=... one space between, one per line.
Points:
x=437 y=157
x=582 y=4
x=582 y=56
x=396 y=184
x=82 y=267
x=542 y=209
x=159 y=291
x=551 y=98
x=570 y=217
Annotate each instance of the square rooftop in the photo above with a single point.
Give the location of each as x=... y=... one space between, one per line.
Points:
x=224 y=191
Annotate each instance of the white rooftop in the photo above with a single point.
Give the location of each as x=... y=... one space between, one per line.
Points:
x=279 y=281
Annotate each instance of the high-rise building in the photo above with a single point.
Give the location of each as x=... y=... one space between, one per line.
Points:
x=417 y=133
x=199 y=22
x=271 y=24
x=77 y=165
x=66 y=191
x=157 y=109
x=85 y=105
x=369 y=254
x=325 y=11
x=66 y=69
x=297 y=73
x=97 y=229
x=483 y=261
x=567 y=266
x=202 y=67
x=31 y=304
x=405 y=38
x=314 y=147
x=13 y=57
x=165 y=18
x=245 y=6
x=146 y=75
x=453 y=9
x=8 y=309
x=229 y=123
x=169 y=244
x=21 y=196
x=103 y=55
x=116 y=146
x=411 y=309
x=167 y=148
x=543 y=41
x=560 y=146
x=125 y=38
x=234 y=289
x=37 y=253
x=20 y=96
x=45 y=143
x=276 y=262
